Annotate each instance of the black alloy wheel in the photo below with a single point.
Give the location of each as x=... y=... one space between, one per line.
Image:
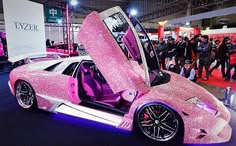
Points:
x=158 y=122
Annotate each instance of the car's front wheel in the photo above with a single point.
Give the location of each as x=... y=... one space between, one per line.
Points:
x=158 y=122
x=25 y=95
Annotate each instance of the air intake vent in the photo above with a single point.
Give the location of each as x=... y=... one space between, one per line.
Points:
x=203 y=133
x=185 y=113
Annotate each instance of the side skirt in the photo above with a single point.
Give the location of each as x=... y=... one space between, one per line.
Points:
x=90 y=114
x=65 y=107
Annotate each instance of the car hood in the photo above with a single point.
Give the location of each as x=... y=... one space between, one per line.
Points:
x=179 y=89
x=183 y=89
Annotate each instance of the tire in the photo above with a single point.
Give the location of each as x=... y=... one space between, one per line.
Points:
x=25 y=95
x=158 y=122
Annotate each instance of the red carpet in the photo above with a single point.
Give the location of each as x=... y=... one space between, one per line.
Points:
x=217 y=80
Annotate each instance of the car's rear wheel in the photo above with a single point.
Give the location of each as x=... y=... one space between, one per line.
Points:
x=158 y=122
x=25 y=95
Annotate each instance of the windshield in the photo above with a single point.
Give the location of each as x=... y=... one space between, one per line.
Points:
x=125 y=37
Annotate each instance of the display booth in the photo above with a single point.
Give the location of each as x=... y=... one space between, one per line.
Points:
x=181 y=31
x=24 y=30
x=24 y=26
x=187 y=31
x=219 y=34
x=153 y=36
x=170 y=34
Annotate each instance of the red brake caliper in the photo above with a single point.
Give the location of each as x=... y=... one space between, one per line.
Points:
x=146 y=117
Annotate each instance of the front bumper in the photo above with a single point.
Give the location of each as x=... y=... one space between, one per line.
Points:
x=211 y=130
x=223 y=136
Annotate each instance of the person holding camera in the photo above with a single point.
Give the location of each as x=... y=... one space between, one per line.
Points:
x=204 y=50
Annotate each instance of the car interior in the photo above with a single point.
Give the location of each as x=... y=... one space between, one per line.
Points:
x=94 y=88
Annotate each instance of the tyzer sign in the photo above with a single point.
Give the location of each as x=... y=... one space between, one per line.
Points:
x=52 y=15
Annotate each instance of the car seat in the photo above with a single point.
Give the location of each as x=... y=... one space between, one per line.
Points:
x=91 y=86
x=94 y=88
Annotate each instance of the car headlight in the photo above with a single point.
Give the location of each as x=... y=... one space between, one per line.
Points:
x=196 y=101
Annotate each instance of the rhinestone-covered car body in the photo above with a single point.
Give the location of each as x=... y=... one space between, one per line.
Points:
x=112 y=86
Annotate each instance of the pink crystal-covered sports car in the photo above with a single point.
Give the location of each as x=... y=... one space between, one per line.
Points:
x=121 y=84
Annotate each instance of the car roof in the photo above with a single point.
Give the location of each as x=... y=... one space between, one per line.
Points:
x=67 y=61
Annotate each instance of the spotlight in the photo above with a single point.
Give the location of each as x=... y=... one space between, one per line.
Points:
x=187 y=23
x=133 y=12
x=59 y=21
x=74 y=2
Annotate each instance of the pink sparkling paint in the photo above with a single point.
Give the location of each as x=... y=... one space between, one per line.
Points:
x=127 y=76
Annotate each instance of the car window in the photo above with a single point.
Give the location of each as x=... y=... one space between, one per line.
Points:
x=70 y=69
x=117 y=25
x=131 y=44
x=51 y=68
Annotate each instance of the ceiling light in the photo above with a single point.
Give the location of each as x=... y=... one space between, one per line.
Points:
x=187 y=23
x=59 y=21
x=133 y=12
x=74 y=2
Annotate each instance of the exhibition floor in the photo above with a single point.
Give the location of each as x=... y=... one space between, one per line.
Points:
x=21 y=128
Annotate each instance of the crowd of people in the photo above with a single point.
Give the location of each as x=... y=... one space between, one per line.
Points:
x=188 y=56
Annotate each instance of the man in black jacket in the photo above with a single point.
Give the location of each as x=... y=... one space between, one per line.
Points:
x=171 y=48
x=162 y=49
x=189 y=50
x=180 y=49
x=197 y=40
x=221 y=58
